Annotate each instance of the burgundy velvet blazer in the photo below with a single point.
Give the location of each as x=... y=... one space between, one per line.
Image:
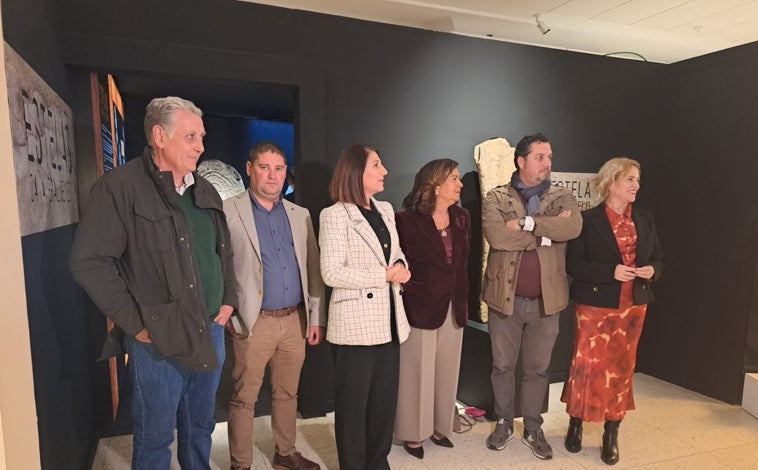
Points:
x=434 y=283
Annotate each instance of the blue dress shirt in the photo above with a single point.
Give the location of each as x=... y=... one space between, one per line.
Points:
x=281 y=275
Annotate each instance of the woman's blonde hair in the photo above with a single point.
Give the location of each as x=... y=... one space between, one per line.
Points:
x=610 y=172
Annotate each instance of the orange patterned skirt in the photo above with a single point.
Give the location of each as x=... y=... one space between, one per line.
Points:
x=599 y=386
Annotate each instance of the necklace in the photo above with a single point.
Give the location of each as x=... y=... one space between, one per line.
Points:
x=442 y=230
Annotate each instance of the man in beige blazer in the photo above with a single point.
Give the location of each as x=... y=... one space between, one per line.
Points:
x=276 y=260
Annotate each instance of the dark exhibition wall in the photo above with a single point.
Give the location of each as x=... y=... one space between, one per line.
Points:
x=415 y=95
x=703 y=332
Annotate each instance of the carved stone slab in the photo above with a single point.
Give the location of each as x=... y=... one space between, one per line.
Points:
x=494 y=163
x=225 y=178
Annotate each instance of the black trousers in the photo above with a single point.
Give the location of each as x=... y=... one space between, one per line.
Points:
x=365 y=398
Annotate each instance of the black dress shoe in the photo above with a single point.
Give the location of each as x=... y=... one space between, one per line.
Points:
x=417 y=452
x=444 y=442
x=573 y=442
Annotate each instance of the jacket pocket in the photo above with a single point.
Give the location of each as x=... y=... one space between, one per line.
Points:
x=493 y=270
x=167 y=328
x=414 y=287
x=154 y=228
x=493 y=289
x=552 y=208
x=508 y=212
x=343 y=295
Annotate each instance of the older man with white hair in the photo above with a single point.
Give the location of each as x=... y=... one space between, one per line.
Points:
x=152 y=251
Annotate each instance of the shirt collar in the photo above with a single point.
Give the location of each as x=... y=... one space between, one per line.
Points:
x=258 y=204
x=189 y=180
x=613 y=215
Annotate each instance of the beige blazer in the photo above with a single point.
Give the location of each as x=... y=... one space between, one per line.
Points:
x=352 y=262
x=248 y=266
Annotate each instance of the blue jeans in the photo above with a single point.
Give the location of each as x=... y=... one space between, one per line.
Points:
x=167 y=396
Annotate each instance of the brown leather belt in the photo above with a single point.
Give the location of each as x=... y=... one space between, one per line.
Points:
x=280 y=312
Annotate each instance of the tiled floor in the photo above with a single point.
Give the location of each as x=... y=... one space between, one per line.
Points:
x=672 y=428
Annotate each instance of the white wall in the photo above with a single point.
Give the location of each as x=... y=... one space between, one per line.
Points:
x=19 y=441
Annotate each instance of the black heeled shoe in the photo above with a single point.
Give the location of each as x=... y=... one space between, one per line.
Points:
x=610 y=452
x=573 y=442
x=417 y=452
x=443 y=442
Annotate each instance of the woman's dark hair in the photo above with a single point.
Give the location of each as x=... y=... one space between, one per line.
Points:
x=347 y=182
x=422 y=197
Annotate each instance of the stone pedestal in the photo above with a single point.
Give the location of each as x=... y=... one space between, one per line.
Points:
x=749 y=393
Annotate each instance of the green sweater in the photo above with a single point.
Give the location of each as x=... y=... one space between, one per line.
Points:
x=203 y=239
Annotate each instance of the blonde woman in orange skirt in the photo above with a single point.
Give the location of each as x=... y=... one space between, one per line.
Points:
x=613 y=263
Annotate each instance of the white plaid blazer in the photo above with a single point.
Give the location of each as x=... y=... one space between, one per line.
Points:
x=352 y=262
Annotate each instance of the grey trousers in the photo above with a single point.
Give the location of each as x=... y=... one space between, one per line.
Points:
x=533 y=333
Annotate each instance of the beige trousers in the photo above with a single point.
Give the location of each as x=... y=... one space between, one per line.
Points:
x=280 y=343
x=429 y=365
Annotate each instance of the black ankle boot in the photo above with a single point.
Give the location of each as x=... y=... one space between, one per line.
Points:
x=573 y=442
x=610 y=452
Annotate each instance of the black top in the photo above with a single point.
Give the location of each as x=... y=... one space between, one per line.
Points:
x=374 y=219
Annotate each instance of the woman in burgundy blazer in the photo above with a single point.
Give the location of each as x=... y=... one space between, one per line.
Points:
x=434 y=235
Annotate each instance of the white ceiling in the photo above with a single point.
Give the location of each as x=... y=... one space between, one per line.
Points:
x=664 y=31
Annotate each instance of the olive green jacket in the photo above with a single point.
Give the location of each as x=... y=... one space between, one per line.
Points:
x=507 y=245
x=132 y=254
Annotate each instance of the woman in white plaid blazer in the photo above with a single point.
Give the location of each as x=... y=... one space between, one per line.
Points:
x=362 y=261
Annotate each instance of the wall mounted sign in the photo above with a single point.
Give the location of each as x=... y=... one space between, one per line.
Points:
x=43 y=149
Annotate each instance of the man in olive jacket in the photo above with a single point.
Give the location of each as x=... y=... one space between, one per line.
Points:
x=152 y=251
x=527 y=224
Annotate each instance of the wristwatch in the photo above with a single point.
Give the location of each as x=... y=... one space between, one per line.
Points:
x=522 y=222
